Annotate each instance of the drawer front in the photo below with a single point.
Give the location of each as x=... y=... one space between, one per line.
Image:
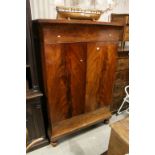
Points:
x=122 y=76
x=122 y=64
x=79 y=33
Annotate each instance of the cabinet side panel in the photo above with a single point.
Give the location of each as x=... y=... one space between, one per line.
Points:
x=76 y=62
x=56 y=77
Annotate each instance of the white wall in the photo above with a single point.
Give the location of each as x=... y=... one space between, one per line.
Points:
x=46 y=8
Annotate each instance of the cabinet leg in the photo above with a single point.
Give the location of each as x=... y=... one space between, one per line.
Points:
x=54 y=143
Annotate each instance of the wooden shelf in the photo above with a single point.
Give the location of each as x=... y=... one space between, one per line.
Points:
x=30 y=94
x=79 y=122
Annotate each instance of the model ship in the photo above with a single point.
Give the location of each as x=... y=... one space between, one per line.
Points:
x=64 y=12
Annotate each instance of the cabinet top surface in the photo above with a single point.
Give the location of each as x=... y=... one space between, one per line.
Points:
x=80 y=22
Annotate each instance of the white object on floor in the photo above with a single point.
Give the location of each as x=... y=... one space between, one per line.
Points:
x=91 y=141
x=126 y=99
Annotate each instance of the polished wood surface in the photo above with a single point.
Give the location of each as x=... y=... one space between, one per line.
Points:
x=119 y=139
x=62 y=31
x=78 y=62
x=101 y=60
x=74 y=33
x=79 y=122
x=56 y=80
x=76 y=68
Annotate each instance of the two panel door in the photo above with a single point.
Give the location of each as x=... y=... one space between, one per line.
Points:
x=79 y=77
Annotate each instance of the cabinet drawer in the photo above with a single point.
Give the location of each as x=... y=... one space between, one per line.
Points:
x=122 y=64
x=74 y=33
x=122 y=76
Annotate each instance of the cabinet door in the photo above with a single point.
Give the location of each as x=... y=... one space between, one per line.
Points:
x=101 y=64
x=56 y=82
x=66 y=75
x=76 y=67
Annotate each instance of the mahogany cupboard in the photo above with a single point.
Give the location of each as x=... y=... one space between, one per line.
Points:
x=77 y=61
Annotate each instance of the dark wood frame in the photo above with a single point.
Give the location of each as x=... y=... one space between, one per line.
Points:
x=35 y=106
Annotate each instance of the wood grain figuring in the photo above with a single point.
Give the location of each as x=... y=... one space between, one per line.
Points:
x=79 y=122
x=56 y=82
x=76 y=62
x=101 y=59
x=108 y=74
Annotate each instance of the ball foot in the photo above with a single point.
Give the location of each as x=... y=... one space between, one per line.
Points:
x=54 y=143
